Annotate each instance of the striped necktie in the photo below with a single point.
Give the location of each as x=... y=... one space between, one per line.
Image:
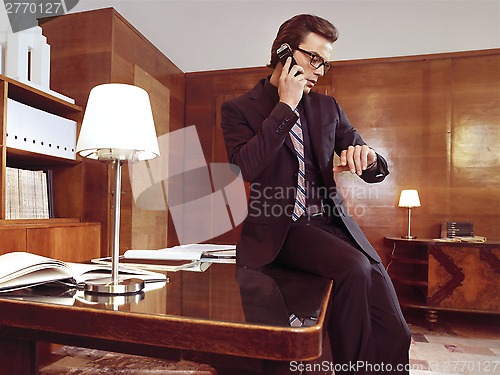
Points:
x=298 y=144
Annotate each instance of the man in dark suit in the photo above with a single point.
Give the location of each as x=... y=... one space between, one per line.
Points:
x=283 y=138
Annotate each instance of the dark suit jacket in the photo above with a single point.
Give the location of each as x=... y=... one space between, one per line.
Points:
x=257 y=141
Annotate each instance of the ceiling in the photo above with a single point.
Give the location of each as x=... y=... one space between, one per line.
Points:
x=201 y=35
x=207 y=35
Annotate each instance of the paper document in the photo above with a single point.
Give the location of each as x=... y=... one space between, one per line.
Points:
x=203 y=252
x=157 y=264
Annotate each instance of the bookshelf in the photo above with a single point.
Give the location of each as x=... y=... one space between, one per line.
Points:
x=65 y=236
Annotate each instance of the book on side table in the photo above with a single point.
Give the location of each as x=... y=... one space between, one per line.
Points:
x=19 y=270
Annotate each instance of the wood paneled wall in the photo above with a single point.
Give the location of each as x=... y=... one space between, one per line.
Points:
x=96 y=47
x=436 y=119
x=205 y=93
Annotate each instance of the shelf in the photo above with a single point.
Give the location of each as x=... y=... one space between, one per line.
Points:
x=17 y=156
x=39 y=99
x=408 y=260
x=34 y=161
x=409 y=280
x=55 y=222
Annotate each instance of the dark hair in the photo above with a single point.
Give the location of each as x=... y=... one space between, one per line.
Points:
x=294 y=31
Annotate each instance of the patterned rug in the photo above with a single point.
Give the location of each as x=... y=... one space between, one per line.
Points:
x=80 y=361
x=451 y=348
x=456 y=348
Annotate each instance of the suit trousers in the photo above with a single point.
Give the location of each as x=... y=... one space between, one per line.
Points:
x=367 y=331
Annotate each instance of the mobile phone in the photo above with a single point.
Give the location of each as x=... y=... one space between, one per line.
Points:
x=284 y=52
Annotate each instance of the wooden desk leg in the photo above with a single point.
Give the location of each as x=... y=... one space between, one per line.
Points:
x=17 y=357
x=432 y=317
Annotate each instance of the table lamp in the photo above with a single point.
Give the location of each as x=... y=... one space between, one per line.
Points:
x=409 y=199
x=117 y=127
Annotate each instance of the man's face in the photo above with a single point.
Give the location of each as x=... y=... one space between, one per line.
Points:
x=319 y=46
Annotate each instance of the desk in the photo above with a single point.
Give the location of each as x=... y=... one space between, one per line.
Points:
x=437 y=275
x=226 y=314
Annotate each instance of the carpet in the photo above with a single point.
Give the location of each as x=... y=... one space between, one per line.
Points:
x=80 y=361
x=451 y=350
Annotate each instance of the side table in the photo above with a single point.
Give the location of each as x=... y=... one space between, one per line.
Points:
x=437 y=275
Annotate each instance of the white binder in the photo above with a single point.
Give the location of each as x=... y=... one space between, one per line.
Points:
x=34 y=130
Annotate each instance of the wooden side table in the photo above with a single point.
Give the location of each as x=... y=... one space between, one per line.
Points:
x=455 y=276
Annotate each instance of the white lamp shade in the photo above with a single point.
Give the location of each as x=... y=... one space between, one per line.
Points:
x=409 y=198
x=118 y=124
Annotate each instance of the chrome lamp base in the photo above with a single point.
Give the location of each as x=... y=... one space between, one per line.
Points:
x=109 y=286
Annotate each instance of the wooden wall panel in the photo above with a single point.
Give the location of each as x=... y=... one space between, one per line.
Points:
x=205 y=93
x=83 y=240
x=12 y=239
x=427 y=114
x=149 y=227
x=430 y=116
x=73 y=243
x=134 y=55
x=402 y=109
x=80 y=56
x=97 y=47
x=475 y=151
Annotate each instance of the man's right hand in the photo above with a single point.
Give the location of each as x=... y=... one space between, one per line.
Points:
x=291 y=87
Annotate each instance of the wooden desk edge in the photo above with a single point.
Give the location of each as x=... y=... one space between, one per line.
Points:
x=191 y=334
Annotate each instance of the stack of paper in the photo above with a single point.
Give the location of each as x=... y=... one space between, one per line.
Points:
x=212 y=253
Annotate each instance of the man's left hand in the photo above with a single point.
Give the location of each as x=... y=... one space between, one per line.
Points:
x=356 y=159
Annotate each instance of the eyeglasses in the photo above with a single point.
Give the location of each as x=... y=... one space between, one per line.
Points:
x=316 y=61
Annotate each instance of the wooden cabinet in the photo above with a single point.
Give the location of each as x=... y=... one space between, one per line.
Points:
x=435 y=275
x=67 y=239
x=64 y=237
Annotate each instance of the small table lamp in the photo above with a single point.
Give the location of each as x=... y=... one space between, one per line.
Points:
x=117 y=127
x=409 y=199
